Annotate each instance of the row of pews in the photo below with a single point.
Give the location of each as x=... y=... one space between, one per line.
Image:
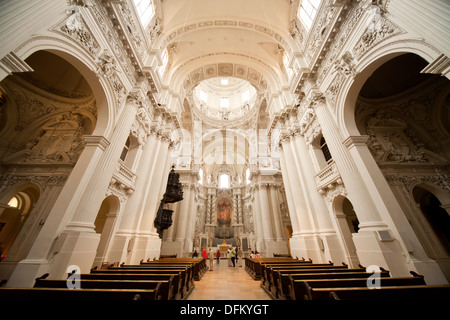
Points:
x=285 y=278
x=163 y=279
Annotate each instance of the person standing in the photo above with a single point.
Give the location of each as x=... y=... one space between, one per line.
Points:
x=211 y=259
x=240 y=256
x=233 y=257
x=218 y=256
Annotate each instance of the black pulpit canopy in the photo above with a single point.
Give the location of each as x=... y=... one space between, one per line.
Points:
x=174 y=193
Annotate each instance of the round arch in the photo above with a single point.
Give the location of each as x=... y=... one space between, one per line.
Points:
x=371 y=61
x=87 y=66
x=17 y=205
x=442 y=195
x=347 y=224
x=105 y=223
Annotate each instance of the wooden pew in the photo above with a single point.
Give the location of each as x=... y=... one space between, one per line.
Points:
x=254 y=265
x=184 y=289
x=186 y=271
x=266 y=266
x=285 y=279
x=270 y=275
x=198 y=264
x=165 y=291
x=70 y=295
x=176 y=279
x=276 y=289
x=301 y=289
x=407 y=293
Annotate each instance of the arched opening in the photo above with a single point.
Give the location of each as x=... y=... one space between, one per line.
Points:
x=46 y=113
x=347 y=223
x=404 y=114
x=14 y=215
x=437 y=217
x=104 y=224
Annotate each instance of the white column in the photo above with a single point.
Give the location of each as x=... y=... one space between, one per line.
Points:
x=79 y=240
x=265 y=214
x=147 y=244
x=332 y=247
x=357 y=189
x=153 y=197
x=278 y=224
x=289 y=192
x=306 y=224
x=190 y=225
x=257 y=220
x=370 y=249
x=183 y=217
x=130 y=215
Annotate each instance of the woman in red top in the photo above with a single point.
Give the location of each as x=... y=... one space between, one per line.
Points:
x=218 y=256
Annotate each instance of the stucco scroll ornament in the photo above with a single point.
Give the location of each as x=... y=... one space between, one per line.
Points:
x=346 y=65
x=106 y=64
x=74 y=22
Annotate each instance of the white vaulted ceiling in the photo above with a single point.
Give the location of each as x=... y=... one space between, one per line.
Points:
x=249 y=33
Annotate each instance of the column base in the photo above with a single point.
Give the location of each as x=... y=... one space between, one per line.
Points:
x=333 y=252
x=276 y=247
x=432 y=272
x=183 y=248
x=145 y=247
x=380 y=249
x=74 y=250
x=25 y=272
x=306 y=247
x=120 y=248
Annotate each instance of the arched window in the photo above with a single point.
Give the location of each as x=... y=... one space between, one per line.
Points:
x=224 y=181
x=325 y=150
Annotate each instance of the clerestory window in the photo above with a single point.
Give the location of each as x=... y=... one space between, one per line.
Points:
x=307 y=12
x=144 y=10
x=224 y=181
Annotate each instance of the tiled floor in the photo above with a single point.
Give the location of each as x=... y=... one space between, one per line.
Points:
x=227 y=283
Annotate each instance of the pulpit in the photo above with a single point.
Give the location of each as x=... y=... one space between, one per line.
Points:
x=174 y=193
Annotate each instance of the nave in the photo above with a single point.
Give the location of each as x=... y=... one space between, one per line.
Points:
x=227 y=283
x=266 y=278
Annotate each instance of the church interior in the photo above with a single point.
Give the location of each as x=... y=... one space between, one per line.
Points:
x=311 y=133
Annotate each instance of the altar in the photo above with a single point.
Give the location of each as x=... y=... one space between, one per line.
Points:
x=223 y=248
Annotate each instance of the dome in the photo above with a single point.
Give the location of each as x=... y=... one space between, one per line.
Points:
x=225 y=98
